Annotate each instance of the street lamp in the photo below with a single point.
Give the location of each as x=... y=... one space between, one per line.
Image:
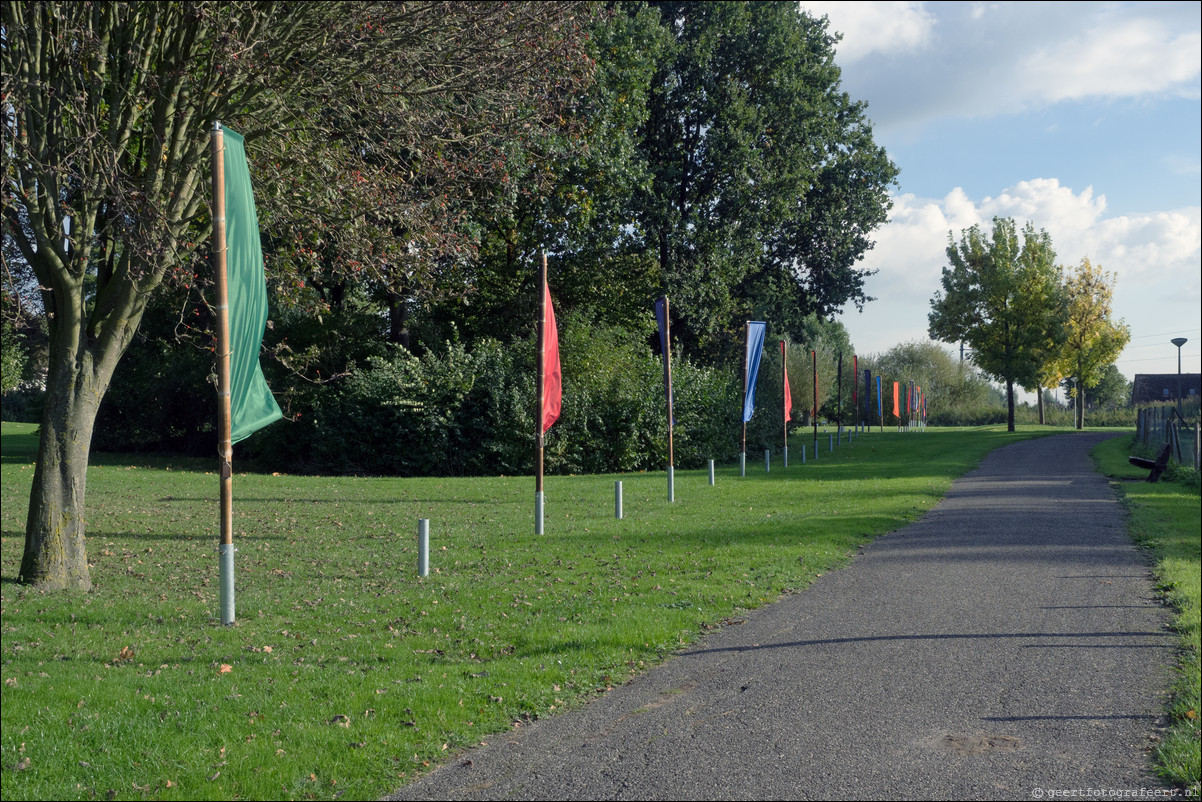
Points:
x=1179 y=341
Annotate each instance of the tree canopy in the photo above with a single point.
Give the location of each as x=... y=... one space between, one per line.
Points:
x=376 y=124
x=1093 y=339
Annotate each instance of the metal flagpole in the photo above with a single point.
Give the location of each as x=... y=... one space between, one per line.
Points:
x=541 y=393
x=225 y=449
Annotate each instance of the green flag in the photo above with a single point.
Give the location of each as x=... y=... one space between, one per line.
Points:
x=251 y=404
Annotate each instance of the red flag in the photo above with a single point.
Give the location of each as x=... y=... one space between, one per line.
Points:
x=552 y=376
x=788 y=395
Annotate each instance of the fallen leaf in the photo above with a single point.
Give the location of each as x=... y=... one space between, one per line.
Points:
x=225 y=668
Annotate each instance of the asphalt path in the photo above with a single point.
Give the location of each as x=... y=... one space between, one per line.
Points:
x=1006 y=646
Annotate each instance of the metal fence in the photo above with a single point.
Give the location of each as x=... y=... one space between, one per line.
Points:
x=1155 y=426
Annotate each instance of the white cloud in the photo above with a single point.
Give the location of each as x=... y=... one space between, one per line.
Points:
x=919 y=62
x=1156 y=258
x=1118 y=58
x=876 y=27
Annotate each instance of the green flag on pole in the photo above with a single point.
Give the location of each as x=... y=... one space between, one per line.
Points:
x=251 y=404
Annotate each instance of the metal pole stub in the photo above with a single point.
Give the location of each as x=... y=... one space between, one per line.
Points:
x=767 y=460
x=225 y=553
x=538 y=513
x=423 y=546
x=711 y=473
x=742 y=463
x=618 y=500
x=671 y=484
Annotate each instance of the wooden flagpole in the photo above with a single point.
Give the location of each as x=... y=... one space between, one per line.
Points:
x=541 y=393
x=814 y=357
x=225 y=449
x=784 y=388
x=668 y=388
x=743 y=408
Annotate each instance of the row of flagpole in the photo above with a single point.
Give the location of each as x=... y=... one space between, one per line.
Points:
x=245 y=403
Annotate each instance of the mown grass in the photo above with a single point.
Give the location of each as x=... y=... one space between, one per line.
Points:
x=1166 y=519
x=347 y=674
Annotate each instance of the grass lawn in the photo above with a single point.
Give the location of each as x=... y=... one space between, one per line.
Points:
x=347 y=673
x=1166 y=519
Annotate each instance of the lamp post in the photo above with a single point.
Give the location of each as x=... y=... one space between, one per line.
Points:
x=1179 y=341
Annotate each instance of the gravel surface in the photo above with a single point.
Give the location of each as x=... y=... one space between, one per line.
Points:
x=1006 y=646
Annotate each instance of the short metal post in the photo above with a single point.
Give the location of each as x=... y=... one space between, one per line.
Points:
x=767 y=460
x=711 y=473
x=618 y=500
x=225 y=554
x=803 y=455
x=423 y=546
x=538 y=513
x=671 y=484
x=785 y=457
x=742 y=463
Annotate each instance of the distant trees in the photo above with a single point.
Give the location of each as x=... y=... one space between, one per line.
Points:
x=1004 y=299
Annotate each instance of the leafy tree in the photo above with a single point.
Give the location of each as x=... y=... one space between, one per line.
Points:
x=946 y=382
x=766 y=183
x=367 y=122
x=1003 y=298
x=1094 y=339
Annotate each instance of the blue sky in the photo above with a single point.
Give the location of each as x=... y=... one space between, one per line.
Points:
x=1083 y=118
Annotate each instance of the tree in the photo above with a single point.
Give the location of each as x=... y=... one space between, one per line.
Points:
x=766 y=183
x=1093 y=339
x=370 y=119
x=1004 y=300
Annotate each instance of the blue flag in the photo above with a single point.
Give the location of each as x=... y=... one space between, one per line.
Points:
x=755 y=349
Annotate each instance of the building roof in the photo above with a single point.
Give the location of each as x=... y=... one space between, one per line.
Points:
x=1151 y=388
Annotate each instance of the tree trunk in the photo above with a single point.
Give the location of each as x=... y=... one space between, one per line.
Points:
x=1009 y=405
x=81 y=368
x=55 y=553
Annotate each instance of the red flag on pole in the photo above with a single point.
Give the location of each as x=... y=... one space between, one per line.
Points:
x=552 y=376
x=788 y=395
x=896 y=406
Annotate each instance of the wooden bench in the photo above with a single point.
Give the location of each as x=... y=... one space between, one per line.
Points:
x=1156 y=466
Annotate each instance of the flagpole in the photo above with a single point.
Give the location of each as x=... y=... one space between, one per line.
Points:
x=541 y=392
x=225 y=447
x=839 y=401
x=668 y=381
x=855 y=394
x=814 y=357
x=743 y=408
x=784 y=381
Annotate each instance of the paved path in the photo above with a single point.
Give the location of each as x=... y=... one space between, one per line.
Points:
x=1005 y=645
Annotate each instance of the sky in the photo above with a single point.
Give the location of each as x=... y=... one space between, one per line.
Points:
x=1083 y=118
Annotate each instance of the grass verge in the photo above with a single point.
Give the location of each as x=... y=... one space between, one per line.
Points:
x=1166 y=519
x=347 y=674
